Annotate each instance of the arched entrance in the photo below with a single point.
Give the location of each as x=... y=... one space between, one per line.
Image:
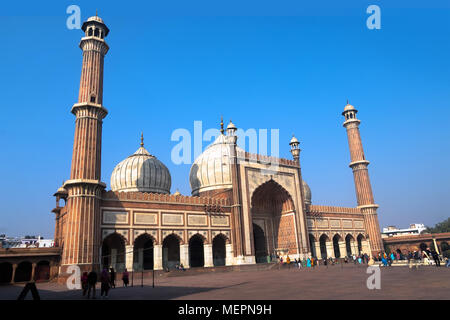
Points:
x=312 y=244
x=259 y=239
x=273 y=217
x=5 y=272
x=113 y=252
x=360 y=239
x=423 y=246
x=196 y=251
x=337 y=250
x=171 y=251
x=23 y=272
x=42 y=271
x=143 y=252
x=323 y=246
x=219 y=250
x=348 y=244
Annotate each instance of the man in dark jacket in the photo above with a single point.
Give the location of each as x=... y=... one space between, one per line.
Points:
x=92 y=281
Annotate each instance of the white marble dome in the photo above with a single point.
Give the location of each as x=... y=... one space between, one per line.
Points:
x=306 y=192
x=141 y=172
x=212 y=169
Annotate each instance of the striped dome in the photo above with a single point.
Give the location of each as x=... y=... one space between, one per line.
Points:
x=141 y=172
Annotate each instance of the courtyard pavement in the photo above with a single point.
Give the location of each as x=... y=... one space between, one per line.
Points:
x=332 y=282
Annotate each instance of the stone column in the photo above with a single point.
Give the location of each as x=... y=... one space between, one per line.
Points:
x=208 y=255
x=184 y=255
x=342 y=249
x=354 y=246
x=33 y=271
x=318 y=252
x=129 y=256
x=157 y=257
x=13 y=272
x=228 y=254
x=330 y=249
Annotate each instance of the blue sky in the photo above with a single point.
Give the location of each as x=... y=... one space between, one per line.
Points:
x=287 y=65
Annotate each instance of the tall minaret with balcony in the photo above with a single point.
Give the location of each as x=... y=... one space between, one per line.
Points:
x=359 y=164
x=82 y=239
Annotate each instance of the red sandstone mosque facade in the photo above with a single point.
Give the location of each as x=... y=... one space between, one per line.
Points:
x=242 y=209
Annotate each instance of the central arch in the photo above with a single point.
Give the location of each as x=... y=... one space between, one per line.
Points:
x=273 y=220
x=171 y=251
x=113 y=252
x=323 y=246
x=219 y=250
x=349 y=240
x=143 y=252
x=337 y=250
x=196 y=251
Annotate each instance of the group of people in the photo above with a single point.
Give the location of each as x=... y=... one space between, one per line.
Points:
x=413 y=257
x=312 y=261
x=107 y=281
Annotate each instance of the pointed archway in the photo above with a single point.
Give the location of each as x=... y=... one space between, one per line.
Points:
x=171 y=251
x=273 y=220
x=143 y=252
x=113 y=252
x=219 y=250
x=196 y=251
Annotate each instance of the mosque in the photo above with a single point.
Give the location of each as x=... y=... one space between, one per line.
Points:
x=243 y=209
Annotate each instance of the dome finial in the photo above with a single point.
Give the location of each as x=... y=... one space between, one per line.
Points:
x=221 y=125
x=347 y=101
x=142 y=139
x=96 y=12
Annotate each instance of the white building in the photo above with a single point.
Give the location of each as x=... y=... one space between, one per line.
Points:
x=392 y=231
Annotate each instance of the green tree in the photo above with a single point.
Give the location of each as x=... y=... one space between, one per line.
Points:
x=440 y=227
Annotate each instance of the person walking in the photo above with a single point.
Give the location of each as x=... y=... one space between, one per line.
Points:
x=84 y=283
x=113 y=277
x=105 y=283
x=308 y=263
x=92 y=281
x=125 y=278
x=436 y=259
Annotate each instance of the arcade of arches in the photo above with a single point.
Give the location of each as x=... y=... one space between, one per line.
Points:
x=146 y=254
x=337 y=246
x=25 y=271
x=273 y=221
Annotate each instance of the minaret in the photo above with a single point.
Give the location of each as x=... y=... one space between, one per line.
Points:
x=304 y=245
x=82 y=232
x=238 y=233
x=364 y=194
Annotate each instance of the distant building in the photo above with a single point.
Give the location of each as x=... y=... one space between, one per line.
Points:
x=25 y=242
x=392 y=231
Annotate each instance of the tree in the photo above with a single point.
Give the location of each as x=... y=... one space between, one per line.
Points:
x=440 y=227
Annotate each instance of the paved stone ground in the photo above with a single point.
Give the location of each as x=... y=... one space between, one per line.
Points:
x=334 y=282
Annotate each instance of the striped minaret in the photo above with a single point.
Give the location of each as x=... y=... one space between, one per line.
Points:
x=364 y=194
x=82 y=231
